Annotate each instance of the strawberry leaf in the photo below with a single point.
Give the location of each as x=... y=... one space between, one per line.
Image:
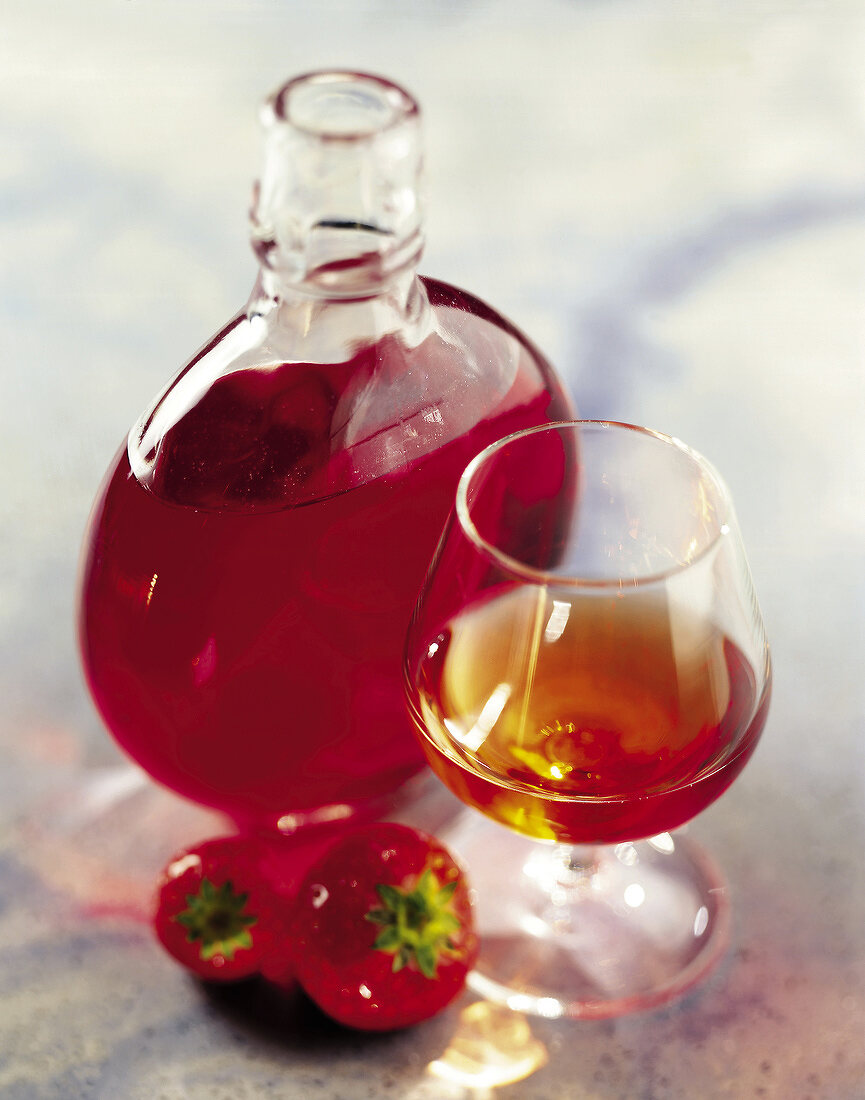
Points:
x=388 y=940
x=417 y=925
x=215 y=918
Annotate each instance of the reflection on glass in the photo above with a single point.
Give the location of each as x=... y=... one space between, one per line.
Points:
x=492 y=1046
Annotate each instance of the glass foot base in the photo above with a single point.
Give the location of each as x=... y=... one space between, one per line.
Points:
x=590 y=932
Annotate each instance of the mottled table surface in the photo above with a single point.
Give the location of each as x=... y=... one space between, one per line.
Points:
x=670 y=198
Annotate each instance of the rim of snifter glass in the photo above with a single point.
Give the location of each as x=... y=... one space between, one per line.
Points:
x=542 y=576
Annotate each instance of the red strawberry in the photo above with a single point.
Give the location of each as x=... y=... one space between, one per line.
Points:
x=383 y=928
x=214 y=912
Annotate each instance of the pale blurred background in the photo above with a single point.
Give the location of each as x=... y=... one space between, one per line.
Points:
x=669 y=197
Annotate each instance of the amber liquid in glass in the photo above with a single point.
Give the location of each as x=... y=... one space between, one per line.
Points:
x=595 y=721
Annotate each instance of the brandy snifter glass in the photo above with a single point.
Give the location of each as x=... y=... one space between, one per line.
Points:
x=587 y=666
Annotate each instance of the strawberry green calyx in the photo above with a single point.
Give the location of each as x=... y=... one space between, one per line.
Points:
x=416 y=924
x=216 y=918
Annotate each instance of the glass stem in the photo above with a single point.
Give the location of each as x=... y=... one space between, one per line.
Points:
x=580 y=864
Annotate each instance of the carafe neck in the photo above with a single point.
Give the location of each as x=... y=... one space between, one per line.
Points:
x=337 y=211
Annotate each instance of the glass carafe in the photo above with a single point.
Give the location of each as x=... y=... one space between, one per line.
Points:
x=257 y=546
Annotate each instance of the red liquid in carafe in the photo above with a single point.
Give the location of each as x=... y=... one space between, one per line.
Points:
x=241 y=625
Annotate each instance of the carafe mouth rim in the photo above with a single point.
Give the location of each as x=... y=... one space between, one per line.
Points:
x=369 y=105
